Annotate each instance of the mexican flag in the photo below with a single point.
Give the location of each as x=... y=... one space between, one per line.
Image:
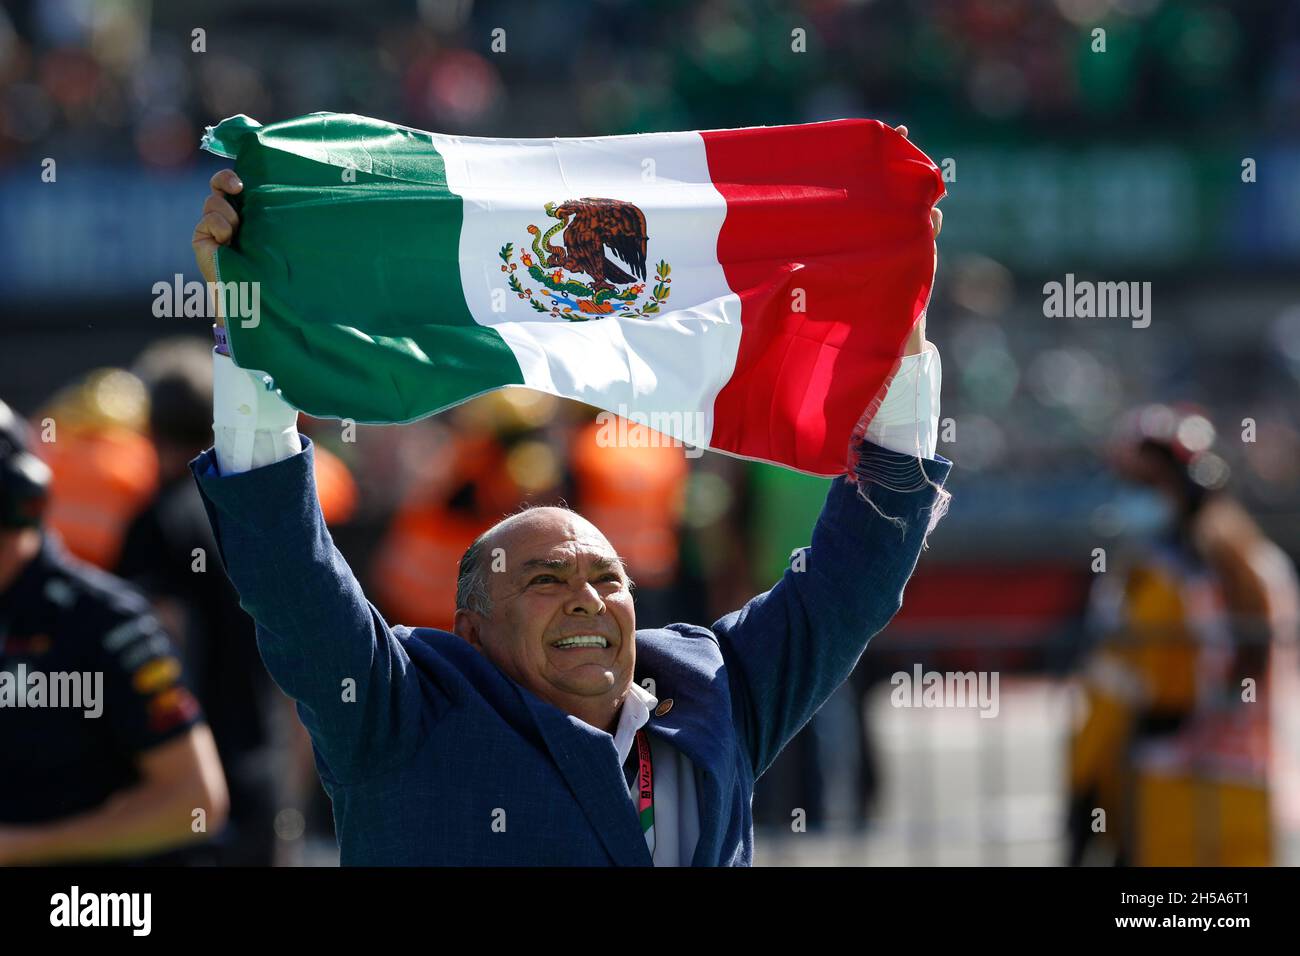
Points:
x=744 y=290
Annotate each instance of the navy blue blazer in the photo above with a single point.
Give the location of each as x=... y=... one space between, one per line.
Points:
x=431 y=755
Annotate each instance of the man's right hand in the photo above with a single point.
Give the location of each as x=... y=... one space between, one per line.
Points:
x=217 y=226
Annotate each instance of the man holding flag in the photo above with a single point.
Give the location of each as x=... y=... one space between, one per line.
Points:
x=500 y=742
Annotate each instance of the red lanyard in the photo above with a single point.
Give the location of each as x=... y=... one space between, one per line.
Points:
x=645 y=806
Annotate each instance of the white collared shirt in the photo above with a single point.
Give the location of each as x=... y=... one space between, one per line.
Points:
x=677 y=819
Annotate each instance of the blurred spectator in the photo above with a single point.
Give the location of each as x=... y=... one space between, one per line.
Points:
x=122 y=770
x=1174 y=745
x=104 y=467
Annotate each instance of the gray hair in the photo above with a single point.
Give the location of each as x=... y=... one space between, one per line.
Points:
x=471 y=584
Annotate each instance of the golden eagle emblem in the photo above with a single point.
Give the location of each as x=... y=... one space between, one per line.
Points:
x=593 y=234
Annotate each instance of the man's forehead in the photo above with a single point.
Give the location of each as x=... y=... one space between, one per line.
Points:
x=549 y=535
x=561 y=560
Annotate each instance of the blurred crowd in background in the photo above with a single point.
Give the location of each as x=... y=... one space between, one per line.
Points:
x=1125 y=164
x=118 y=77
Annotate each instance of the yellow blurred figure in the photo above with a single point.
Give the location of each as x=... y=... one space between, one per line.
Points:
x=1172 y=763
x=92 y=435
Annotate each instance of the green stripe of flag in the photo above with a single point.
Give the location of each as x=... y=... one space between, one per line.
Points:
x=361 y=309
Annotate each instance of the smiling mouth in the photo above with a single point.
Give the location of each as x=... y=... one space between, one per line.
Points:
x=580 y=640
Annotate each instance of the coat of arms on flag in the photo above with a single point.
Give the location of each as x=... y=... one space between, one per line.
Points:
x=592 y=229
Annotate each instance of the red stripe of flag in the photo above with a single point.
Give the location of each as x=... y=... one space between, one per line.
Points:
x=840 y=210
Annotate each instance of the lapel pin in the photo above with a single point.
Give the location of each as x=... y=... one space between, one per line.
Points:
x=664 y=706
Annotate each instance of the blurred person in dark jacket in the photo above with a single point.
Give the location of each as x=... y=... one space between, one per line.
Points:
x=104 y=754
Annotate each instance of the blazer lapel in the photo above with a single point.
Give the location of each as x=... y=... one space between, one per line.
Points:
x=589 y=763
x=686 y=729
x=695 y=726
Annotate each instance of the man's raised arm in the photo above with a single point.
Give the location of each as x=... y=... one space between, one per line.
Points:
x=321 y=639
x=787 y=650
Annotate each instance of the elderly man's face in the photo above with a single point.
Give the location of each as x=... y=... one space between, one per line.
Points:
x=562 y=580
